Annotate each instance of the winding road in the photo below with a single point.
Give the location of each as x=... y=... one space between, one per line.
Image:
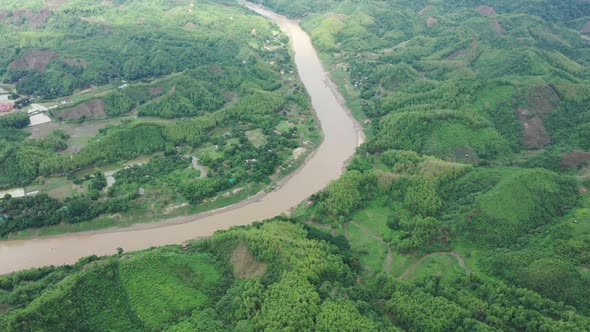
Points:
x=341 y=137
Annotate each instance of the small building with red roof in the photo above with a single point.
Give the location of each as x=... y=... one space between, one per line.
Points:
x=6 y=106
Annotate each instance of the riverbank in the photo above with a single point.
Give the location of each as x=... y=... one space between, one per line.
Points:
x=324 y=165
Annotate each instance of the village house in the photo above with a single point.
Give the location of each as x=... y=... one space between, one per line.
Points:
x=6 y=106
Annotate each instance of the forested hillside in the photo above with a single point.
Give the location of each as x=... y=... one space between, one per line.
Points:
x=477 y=157
x=191 y=106
x=273 y=276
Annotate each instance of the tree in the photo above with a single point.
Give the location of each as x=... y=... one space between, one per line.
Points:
x=339 y=315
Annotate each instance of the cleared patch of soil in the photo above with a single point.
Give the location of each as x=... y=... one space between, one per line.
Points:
x=190 y=26
x=497 y=27
x=534 y=134
x=431 y=21
x=586 y=28
x=93 y=109
x=423 y=10
x=34 y=60
x=298 y=152
x=19 y=16
x=40 y=18
x=575 y=158
x=245 y=265
x=486 y=10
x=540 y=99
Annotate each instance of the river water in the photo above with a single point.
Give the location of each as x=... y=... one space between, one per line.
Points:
x=341 y=137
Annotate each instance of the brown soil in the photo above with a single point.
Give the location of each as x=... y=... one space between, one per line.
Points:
x=190 y=26
x=534 y=134
x=541 y=99
x=245 y=265
x=486 y=11
x=40 y=18
x=423 y=10
x=586 y=28
x=93 y=109
x=431 y=21
x=575 y=158
x=34 y=60
x=19 y=16
x=497 y=27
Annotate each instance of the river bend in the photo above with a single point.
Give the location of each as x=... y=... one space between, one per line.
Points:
x=341 y=137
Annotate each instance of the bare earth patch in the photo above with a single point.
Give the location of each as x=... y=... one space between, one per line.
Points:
x=19 y=16
x=93 y=109
x=586 y=27
x=486 y=10
x=540 y=99
x=40 y=18
x=497 y=27
x=298 y=152
x=245 y=265
x=34 y=60
x=431 y=21
x=575 y=158
x=534 y=134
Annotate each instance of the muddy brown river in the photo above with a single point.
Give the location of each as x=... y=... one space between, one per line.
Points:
x=341 y=136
